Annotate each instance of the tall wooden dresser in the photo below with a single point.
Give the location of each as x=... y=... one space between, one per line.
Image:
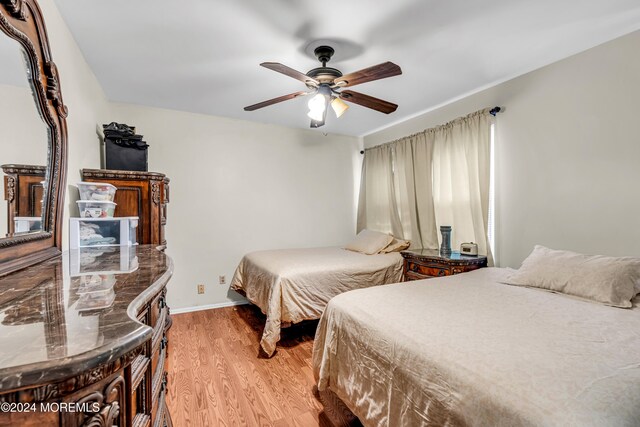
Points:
x=141 y=194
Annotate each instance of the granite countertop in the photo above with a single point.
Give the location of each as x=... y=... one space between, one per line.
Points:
x=76 y=312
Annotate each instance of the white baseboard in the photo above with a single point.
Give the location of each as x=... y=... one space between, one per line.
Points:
x=207 y=307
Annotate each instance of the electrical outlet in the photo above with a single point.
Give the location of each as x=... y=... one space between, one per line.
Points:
x=201 y=289
x=223 y=280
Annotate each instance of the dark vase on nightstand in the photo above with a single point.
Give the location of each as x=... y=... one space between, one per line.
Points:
x=445 y=247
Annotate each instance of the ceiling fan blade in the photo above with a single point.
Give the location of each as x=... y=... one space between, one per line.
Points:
x=273 y=101
x=368 y=101
x=287 y=71
x=377 y=72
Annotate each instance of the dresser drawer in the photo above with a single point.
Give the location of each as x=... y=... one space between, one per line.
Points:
x=160 y=411
x=157 y=306
x=157 y=367
x=408 y=276
x=431 y=270
x=159 y=330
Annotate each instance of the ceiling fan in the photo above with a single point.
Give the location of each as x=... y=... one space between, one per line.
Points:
x=326 y=84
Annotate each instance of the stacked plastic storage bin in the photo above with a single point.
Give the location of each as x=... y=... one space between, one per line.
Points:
x=96 y=225
x=93 y=274
x=101 y=247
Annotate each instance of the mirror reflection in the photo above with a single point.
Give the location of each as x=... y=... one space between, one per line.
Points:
x=24 y=145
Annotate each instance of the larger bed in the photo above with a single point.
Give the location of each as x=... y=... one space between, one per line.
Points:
x=470 y=350
x=293 y=285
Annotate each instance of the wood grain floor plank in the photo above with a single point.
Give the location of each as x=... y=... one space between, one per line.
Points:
x=306 y=419
x=269 y=378
x=183 y=385
x=251 y=375
x=236 y=411
x=217 y=377
x=215 y=407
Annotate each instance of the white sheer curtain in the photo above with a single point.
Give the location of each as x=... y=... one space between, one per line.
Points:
x=461 y=172
x=436 y=177
x=396 y=191
x=377 y=207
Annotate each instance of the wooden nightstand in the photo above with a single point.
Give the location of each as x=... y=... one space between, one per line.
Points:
x=428 y=263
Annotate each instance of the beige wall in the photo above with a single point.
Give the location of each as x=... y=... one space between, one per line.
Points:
x=567 y=155
x=87 y=103
x=25 y=141
x=239 y=186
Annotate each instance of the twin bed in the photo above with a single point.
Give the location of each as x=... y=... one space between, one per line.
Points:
x=293 y=285
x=471 y=350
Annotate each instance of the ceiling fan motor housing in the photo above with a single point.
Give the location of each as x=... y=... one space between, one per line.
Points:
x=324 y=74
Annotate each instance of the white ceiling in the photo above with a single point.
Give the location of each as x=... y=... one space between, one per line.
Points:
x=202 y=55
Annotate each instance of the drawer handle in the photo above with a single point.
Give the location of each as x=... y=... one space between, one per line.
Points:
x=162 y=303
x=442 y=273
x=165 y=380
x=164 y=342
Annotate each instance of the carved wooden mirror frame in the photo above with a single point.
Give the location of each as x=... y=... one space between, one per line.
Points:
x=22 y=21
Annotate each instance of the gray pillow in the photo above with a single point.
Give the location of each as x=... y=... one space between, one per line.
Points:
x=609 y=280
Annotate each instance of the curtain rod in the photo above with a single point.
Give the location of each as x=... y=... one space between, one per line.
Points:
x=494 y=111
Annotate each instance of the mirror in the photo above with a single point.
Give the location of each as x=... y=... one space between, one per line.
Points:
x=33 y=140
x=24 y=145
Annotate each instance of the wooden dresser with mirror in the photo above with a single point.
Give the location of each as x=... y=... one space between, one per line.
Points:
x=83 y=332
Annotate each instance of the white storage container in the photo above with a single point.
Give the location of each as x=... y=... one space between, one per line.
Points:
x=96 y=283
x=102 y=260
x=96 y=209
x=98 y=191
x=27 y=224
x=93 y=232
x=96 y=300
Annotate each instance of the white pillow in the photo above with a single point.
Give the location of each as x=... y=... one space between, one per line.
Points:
x=369 y=242
x=608 y=280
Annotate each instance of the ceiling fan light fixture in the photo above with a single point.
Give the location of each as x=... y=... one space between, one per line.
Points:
x=316 y=116
x=317 y=106
x=318 y=103
x=339 y=106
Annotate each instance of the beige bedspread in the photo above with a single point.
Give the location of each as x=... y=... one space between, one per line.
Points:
x=293 y=285
x=466 y=350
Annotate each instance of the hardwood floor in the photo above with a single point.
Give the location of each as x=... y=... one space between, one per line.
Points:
x=217 y=378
